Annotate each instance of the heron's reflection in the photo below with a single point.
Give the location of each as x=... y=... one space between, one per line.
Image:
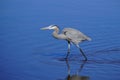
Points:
x=76 y=76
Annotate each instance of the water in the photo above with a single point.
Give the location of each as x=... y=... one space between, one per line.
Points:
x=27 y=53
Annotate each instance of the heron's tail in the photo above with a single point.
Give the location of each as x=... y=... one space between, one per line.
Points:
x=88 y=38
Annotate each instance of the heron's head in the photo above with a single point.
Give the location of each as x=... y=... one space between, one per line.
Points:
x=53 y=27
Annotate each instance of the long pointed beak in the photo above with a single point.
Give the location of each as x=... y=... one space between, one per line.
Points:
x=44 y=28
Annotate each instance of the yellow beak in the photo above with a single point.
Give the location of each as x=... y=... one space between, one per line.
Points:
x=44 y=28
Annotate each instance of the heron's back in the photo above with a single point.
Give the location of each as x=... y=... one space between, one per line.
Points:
x=75 y=35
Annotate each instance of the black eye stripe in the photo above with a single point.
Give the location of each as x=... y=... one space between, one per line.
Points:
x=54 y=26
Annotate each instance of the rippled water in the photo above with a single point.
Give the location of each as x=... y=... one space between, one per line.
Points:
x=26 y=53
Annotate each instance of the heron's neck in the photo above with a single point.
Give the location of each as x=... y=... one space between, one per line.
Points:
x=56 y=32
x=57 y=35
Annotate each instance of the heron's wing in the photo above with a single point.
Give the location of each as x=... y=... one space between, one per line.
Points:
x=74 y=35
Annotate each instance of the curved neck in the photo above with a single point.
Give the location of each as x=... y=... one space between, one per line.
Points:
x=56 y=30
x=57 y=35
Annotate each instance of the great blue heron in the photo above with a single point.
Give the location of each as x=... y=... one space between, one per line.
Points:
x=70 y=35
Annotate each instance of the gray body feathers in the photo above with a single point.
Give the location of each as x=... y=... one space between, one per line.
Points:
x=74 y=35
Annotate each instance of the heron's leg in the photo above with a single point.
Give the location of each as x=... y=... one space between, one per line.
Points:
x=82 y=52
x=68 y=46
x=68 y=66
x=68 y=52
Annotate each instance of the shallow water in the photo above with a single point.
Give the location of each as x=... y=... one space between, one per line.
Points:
x=27 y=53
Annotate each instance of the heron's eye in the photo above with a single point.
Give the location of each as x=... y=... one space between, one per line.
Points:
x=54 y=27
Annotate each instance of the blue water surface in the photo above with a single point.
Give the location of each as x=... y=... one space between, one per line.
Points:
x=28 y=53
